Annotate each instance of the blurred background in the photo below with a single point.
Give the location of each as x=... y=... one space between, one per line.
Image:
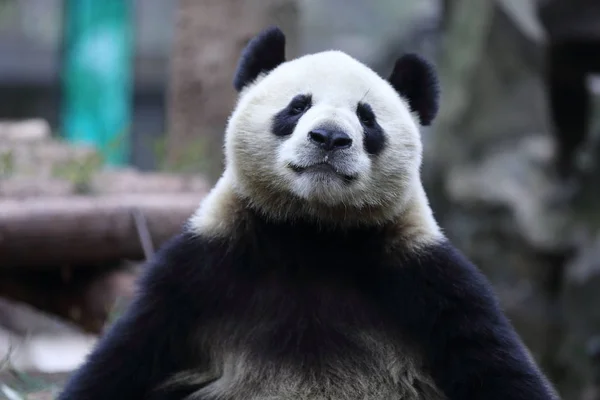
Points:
x=111 y=123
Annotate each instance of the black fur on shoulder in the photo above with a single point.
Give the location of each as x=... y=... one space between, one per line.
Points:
x=416 y=80
x=154 y=338
x=262 y=54
x=446 y=307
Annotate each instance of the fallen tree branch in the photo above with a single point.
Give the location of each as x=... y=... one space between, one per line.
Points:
x=144 y=234
x=83 y=230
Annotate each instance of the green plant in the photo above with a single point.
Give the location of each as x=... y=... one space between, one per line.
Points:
x=79 y=171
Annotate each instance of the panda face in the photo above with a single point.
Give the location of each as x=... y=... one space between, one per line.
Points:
x=324 y=129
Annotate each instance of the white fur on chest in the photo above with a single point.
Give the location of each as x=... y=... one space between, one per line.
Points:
x=386 y=373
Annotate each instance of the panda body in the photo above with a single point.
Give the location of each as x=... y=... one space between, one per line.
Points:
x=290 y=328
x=314 y=269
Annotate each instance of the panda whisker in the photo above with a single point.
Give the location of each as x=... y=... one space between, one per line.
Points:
x=365 y=95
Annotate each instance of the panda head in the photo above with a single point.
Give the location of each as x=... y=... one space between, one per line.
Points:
x=324 y=135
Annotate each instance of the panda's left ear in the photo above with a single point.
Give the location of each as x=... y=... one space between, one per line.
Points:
x=262 y=54
x=415 y=79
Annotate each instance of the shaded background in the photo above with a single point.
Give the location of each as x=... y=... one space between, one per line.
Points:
x=79 y=216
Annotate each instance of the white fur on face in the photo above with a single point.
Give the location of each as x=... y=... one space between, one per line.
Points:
x=325 y=187
x=385 y=185
x=336 y=83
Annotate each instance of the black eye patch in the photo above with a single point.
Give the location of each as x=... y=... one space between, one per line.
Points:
x=374 y=136
x=285 y=121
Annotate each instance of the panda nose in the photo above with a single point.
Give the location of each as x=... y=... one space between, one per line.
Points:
x=330 y=140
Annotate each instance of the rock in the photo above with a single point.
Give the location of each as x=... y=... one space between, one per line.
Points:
x=515 y=177
x=37 y=342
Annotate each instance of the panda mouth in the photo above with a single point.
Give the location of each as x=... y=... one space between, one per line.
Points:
x=322 y=167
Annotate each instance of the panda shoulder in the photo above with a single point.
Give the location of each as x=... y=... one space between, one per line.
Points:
x=181 y=267
x=441 y=273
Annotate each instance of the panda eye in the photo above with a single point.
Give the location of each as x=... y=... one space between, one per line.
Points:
x=365 y=115
x=300 y=104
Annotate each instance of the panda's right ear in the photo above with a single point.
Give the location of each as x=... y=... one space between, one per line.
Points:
x=416 y=80
x=262 y=54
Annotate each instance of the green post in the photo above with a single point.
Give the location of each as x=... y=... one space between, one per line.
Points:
x=97 y=76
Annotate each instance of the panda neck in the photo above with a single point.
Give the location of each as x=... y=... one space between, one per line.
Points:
x=225 y=213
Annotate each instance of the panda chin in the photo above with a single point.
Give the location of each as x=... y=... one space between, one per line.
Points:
x=323 y=171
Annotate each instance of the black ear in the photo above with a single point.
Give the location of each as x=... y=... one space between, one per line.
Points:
x=416 y=80
x=262 y=54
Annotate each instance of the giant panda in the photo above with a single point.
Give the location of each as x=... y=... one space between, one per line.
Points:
x=315 y=269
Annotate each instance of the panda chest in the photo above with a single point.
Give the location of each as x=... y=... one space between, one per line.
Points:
x=372 y=369
x=314 y=344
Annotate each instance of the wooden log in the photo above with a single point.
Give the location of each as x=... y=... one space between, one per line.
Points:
x=83 y=230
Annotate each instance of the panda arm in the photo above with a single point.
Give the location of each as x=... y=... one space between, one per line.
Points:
x=447 y=307
x=152 y=339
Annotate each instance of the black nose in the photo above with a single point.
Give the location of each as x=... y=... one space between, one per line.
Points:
x=329 y=139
